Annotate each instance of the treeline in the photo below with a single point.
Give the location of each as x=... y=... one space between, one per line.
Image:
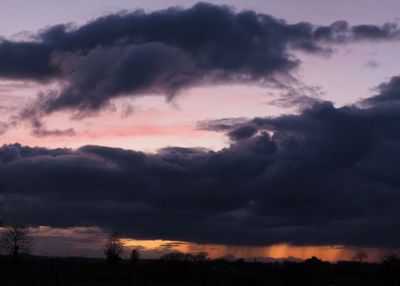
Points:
x=18 y=267
x=173 y=270
x=114 y=248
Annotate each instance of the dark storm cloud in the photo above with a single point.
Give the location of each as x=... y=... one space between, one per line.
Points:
x=166 y=51
x=387 y=31
x=389 y=93
x=26 y=60
x=324 y=176
x=342 y=32
x=242 y=132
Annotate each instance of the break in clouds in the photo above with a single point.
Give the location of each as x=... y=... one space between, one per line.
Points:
x=166 y=51
x=324 y=176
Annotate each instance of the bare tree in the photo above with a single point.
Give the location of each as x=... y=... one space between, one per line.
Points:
x=360 y=256
x=113 y=248
x=16 y=240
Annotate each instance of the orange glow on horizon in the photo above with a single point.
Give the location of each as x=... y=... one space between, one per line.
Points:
x=154 y=248
x=332 y=253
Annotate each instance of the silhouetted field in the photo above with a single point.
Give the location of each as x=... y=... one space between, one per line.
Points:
x=42 y=271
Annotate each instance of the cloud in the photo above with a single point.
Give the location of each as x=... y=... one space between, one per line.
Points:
x=341 y=32
x=220 y=125
x=325 y=176
x=385 y=32
x=372 y=64
x=6 y=125
x=103 y=74
x=3 y=127
x=39 y=130
x=26 y=60
x=242 y=132
x=166 y=51
x=389 y=93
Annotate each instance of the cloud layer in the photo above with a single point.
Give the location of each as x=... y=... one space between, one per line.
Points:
x=325 y=176
x=165 y=51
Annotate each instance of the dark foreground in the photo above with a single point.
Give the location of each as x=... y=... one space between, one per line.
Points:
x=41 y=271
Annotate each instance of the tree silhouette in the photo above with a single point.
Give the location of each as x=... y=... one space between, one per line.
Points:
x=174 y=256
x=200 y=256
x=113 y=248
x=16 y=240
x=360 y=256
x=180 y=256
x=135 y=256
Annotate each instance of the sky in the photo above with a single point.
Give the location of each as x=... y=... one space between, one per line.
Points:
x=243 y=128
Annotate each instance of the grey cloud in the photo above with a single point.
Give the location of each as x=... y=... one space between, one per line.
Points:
x=3 y=127
x=389 y=93
x=223 y=124
x=385 y=32
x=324 y=176
x=372 y=64
x=43 y=132
x=242 y=132
x=165 y=51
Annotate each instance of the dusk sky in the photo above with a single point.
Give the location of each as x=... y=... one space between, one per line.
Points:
x=242 y=128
